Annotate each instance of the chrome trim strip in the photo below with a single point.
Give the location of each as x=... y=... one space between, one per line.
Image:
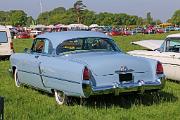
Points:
x=171 y=64
x=51 y=77
x=61 y=79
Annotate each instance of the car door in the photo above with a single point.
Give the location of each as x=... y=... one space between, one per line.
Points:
x=30 y=72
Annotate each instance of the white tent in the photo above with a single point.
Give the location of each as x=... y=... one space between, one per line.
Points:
x=77 y=26
x=61 y=26
x=37 y=26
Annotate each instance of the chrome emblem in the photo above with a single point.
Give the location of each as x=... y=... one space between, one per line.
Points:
x=124 y=69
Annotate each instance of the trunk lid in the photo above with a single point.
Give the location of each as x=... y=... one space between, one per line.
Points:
x=106 y=63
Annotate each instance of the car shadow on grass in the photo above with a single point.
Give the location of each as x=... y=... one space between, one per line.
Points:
x=128 y=100
x=4 y=58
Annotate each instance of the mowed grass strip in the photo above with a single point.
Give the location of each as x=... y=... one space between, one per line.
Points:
x=25 y=103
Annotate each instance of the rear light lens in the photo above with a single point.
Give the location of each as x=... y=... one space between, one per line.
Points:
x=11 y=46
x=159 y=69
x=86 y=74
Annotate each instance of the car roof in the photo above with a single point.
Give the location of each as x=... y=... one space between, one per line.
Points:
x=3 y=28
x=58 y=37
x=174 y=35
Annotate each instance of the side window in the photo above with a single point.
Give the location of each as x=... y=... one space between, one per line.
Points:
x=38 y=46
x=46 y=47
x=173 y=45
x=3 y=37
x=162 y=47
x=86 y=44
x=100 y=44
x=42 y=46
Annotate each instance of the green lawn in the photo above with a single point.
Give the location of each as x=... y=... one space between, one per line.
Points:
x=25 y=103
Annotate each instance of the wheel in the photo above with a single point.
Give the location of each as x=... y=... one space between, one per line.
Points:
x=16 y=79
x=60 y=97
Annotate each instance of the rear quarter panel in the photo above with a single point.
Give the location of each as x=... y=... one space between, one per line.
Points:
x=62 y=74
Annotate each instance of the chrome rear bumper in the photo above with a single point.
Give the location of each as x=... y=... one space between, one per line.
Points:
x=116 y=88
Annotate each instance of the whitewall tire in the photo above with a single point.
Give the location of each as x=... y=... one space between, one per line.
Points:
x=16 y=79
x=60 y=97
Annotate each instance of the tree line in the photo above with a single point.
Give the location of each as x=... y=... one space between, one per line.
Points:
x=79 y=14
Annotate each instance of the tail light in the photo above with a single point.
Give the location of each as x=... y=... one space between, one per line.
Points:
x=11 y=46
x=86 y=74
x=159 y=69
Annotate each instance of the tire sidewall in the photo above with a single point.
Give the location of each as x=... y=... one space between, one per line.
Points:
x=16 y=79
x=60 y=97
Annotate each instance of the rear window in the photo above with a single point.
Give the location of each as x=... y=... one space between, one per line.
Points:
x=87 y=44
x=3 y=37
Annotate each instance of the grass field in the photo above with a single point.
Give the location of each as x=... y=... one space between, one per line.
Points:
x=25 y=103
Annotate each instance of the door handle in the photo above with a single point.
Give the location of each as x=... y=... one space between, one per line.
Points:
x=36 y=56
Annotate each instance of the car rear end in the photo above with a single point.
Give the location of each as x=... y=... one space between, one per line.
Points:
x=139 y=77
x=6 y=44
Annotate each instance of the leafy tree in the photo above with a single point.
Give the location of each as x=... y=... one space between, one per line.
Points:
x=79 y=8
x=176 y=17
x=157 y=22
x=88 y=17
x=84 y=16
x=52 y=17
x=30 y=21
x=18 y=17
x=139 y=21
x=43 y=18
x=58 y=10
x=4 y=18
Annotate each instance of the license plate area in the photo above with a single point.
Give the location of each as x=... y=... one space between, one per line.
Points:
x=125 y=77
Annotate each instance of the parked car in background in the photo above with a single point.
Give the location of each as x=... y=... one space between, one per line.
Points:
x=166 y=51
x=149 y=30
x=138 y=30
x=115 y=33
x=127 y=33
x=82 y=64
x=169 y=28
x=6 y=44
x=22 y=35
x=177 y=28
x=159 y=30
x=34 y=33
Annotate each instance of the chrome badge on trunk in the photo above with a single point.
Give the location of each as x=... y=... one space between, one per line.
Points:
x=124 y=70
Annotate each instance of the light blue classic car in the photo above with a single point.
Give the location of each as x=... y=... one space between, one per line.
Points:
x=82 y=64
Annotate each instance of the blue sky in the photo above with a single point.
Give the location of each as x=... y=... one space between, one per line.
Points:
x=160 y=9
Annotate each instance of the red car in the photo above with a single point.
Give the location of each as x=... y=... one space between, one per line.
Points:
x=22 y=35
x=115 y=33
x=160 y=30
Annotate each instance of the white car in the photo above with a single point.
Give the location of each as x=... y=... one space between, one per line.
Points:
x=6 y=44
x=166 y=51
x=34 y=33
